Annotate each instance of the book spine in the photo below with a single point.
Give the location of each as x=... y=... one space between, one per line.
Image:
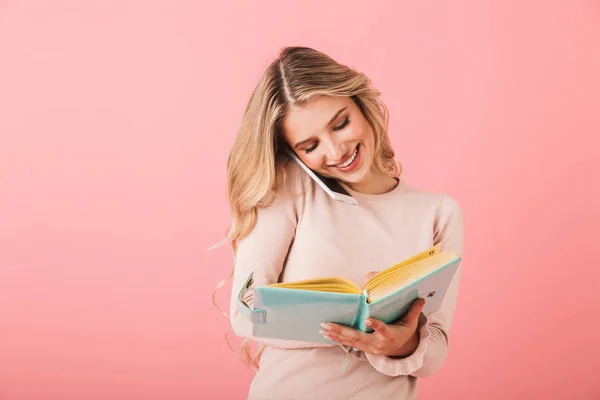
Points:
x=362 y=313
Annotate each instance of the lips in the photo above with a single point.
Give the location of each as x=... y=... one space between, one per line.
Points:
x=355 y=157
x=345 y=160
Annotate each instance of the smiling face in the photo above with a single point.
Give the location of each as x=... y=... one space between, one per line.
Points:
x=332 y=137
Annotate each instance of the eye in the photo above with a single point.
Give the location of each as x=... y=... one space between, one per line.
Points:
x=342 y=125
x=311 y=148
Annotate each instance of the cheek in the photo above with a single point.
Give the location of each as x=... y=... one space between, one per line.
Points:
x=361 y=132
x=311 y=162
x=368 y=135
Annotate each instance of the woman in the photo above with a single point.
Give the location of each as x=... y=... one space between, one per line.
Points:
x=286 y=228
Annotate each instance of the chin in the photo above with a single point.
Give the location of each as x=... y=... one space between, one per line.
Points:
x=356 y=177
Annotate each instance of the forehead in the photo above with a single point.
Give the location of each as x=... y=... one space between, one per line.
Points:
x=302 y=122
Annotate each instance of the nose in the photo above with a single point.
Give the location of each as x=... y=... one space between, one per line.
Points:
x=335 y=152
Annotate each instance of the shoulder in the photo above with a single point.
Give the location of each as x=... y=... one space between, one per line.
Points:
x=441 y=211
x=445 y=214
x=289 y=180
x=286 y=194
x=441 y=202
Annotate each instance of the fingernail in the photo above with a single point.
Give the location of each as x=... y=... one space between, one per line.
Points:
x=369 y=322
x=326 y=327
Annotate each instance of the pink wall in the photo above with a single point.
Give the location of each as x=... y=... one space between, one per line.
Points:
x=116 y=118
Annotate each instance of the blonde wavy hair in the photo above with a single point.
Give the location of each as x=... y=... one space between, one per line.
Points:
x=255 y=164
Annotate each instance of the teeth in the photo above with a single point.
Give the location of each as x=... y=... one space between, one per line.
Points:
x=350 y=160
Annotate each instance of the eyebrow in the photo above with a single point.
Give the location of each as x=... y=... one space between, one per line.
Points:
x=329 y=123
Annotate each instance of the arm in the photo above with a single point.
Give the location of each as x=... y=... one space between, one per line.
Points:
x=433 y=329
x=263 y=252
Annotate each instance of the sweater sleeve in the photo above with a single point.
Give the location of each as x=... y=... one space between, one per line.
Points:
x=434 y=328
x=263 y=252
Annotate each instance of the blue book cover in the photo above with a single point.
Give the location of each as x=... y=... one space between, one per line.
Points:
x=295 y=310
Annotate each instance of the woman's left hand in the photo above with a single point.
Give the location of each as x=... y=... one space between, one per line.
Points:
x=399 y=339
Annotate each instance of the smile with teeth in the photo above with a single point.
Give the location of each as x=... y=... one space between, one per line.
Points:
x=347 y=163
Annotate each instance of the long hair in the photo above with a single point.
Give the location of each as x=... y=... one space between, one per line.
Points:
x=255 y=167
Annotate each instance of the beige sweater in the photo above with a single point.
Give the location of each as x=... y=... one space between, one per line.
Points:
x=308 y=236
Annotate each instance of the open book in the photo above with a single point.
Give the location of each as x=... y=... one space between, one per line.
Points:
x=295 y=310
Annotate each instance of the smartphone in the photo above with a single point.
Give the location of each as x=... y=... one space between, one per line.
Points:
x=331 y=186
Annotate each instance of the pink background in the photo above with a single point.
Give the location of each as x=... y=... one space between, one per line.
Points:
x=116 y=118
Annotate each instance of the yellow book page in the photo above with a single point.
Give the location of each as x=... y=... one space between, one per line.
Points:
x=337 y=285
x=386 y=278
x=396 y=268
x=411 y=274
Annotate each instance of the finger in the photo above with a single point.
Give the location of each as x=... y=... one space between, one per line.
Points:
x=365 y=279
x=380 y=327
x=343 y=334
x=414 y=312
x=340 y=331
x=354 y=344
